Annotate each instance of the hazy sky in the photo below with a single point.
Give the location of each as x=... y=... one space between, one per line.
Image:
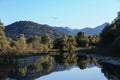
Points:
x=72 y=13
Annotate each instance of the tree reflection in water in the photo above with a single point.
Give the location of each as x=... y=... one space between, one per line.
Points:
x=112 y=72
x=28 y=68
x=66 y=59
x=43 y=63
x=84 y=61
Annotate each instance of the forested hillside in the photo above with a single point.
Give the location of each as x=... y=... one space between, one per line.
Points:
x=110 y=36
x=29 y=28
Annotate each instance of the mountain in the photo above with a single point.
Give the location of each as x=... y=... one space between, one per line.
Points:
x=87 y=30
x=96 y=30
x=63 y=30
x=29 y=28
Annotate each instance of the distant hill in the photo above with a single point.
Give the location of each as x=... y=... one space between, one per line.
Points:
x=88 y=31
x=29 y=28
x=63 y=30
x=96 y=30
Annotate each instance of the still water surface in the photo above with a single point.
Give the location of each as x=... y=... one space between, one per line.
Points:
x=76 y=73
x=67 y=66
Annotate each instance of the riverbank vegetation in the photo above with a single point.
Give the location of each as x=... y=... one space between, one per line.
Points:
x=22 y=45
x=35 y=44
x=107 y=41
x=110 y=38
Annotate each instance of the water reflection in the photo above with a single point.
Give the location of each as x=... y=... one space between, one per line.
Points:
x=75 y=74
x=84 y=62
x=65 y=64
x=112 y=72
x=66 y=59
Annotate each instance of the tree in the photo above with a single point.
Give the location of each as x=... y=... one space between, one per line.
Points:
x=82 y=39
x=93 y=40
x=116 y=45
x=107 y=36
x=4 y=44
x=66 y=43
x=34 y=42
x=71 y=42
x=21 y=42
x=47 y=40
x=57 y=44
x=110 y=36
x=63 y=42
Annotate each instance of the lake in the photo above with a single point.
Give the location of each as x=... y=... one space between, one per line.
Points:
x=66 y=66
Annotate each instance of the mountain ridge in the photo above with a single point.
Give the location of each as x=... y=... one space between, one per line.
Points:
x=87 y=30
x=29 y=28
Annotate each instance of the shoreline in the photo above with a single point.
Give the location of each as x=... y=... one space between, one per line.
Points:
x=101 y=58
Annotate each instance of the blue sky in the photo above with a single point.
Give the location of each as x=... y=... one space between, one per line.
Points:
x=72 y=13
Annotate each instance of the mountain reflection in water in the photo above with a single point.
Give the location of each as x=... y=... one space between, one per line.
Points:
x=66 y=66
x=76 y=74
